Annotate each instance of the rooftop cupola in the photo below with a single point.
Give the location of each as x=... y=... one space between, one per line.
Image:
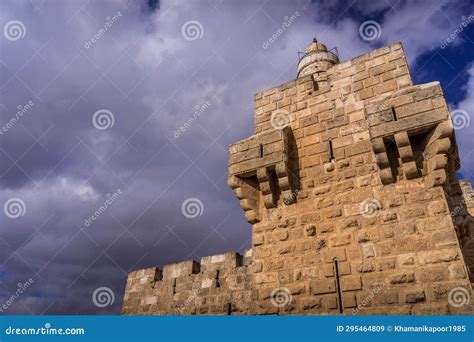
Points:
x=316 y=59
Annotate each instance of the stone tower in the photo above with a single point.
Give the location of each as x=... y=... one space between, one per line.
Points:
x=349 y=183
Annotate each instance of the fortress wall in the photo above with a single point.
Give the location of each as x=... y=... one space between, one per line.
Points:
x=216 y=285
x=351 y=200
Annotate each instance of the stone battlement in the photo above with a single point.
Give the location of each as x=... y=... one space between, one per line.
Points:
x=216 y=285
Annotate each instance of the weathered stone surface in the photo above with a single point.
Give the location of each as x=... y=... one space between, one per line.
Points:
x=349 y=182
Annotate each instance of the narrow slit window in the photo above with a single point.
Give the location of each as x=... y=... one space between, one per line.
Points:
x=338 y=283
x=393 y=158
x=331 y=150
x=394 y=114
x=261 y=150
x=218 y=284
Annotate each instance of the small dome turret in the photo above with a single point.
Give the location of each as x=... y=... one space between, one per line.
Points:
x=317 y=59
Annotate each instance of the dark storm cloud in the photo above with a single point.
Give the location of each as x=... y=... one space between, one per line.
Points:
x=153 y=5
x=81 y=57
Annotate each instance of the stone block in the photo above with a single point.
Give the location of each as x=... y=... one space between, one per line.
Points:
x=181 y=269
x=334 y=254
x=402 y=278
x=322 y=286
x=415 y=297
x=351 y=283
x=439 y=256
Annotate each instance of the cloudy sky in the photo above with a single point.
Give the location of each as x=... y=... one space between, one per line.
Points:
x=98 y=103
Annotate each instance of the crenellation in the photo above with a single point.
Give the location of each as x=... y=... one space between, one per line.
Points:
x=190 y=287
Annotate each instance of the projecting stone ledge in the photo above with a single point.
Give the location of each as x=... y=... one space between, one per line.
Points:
x=262 y=167
x=413 y=123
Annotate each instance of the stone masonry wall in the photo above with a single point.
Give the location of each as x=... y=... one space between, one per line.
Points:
x=349 y=184
x=217 y=285
x=462 y=205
